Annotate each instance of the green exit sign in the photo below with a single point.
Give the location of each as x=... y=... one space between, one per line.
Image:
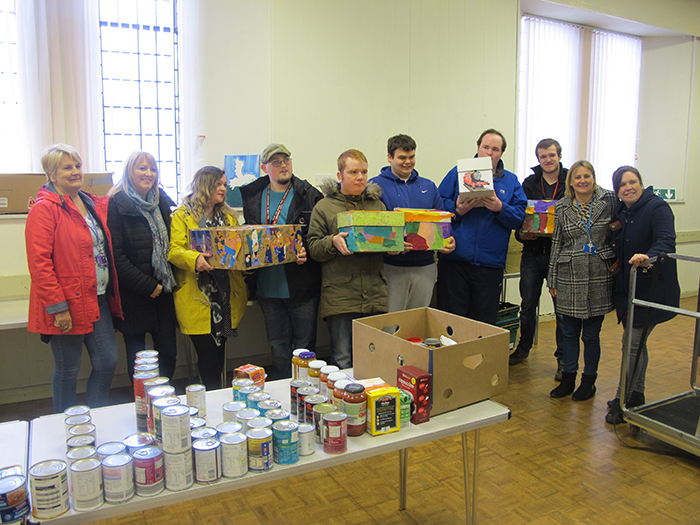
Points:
x=666 y=194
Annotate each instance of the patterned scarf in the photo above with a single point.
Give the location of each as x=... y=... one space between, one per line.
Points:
x=159 y=235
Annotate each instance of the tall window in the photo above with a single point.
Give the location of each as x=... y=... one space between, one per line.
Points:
x=579 y=86
x=138 y=40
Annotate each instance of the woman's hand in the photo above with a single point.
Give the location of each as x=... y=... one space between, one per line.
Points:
x=64 y=321
x=157 y=291
x=553 y=292
x=301 y=256
x=340 y=244
x=201 y=265
x=638 y=259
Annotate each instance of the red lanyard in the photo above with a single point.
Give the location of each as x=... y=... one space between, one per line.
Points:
x=274 y=219
x=556 y=187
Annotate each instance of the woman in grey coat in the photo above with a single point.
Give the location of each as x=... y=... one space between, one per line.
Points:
x=579 y=275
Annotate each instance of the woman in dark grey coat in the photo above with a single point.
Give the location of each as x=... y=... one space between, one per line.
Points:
x=579 y=276
x=139 y=218
x=644 y=228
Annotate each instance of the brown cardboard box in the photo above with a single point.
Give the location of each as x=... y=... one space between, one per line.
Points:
x=474 y=369
x=18 y=190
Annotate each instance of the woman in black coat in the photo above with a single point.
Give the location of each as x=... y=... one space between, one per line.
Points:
x=139 y=218
x=643 y=227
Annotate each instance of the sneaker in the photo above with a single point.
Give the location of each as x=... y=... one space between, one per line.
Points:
x=560 y=370
x=517 y=357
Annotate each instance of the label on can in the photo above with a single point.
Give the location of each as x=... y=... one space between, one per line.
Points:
x=285 y=438
x=335 y=433
x=118 y=476
x=306 y=439
x=86 y=484
x=207 y=460
x=175 y=424
x=179 y=473
x=197 y=397
x=13 y=491
x=48 y=482
x=234 y=455
x=148 y=471
x=295 y=385
x=259 y=450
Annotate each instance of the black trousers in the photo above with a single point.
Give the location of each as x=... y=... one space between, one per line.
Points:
x=210 y=360
x=469 y=290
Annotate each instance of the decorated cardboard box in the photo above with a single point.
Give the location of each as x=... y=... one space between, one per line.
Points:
x=427 y=229
x=249 y=246
x=474 y=178
x=539 y=217
x=372 y=231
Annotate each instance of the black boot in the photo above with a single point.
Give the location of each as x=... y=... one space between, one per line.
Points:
x=518 y=357
x=614 y=415
x=636 y=399
x=567 y=385
x=587 y=388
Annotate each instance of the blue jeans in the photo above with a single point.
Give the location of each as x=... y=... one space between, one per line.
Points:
x=340 y=330
x=589 y=332
x=533 y=272
x=67 y=353
x=289 y=325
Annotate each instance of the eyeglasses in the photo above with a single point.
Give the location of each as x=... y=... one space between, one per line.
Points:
x=278 y=162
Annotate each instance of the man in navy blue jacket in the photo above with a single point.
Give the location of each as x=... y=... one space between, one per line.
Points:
x=411 y=275
x=469 y=279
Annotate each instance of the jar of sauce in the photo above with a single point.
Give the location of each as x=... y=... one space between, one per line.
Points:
x=323 y=378
x=339 y=394
x=330 y=383
x=355 y=406
x=315 y=372
x=295 y=362
x=303 y=363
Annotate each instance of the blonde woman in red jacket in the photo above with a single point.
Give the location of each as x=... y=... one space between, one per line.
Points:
x=74 y=291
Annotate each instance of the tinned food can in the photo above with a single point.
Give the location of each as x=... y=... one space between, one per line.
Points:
x=256 y=398
x=176 y=432
x=158 y=406
x=227 y=427
x=285 y=438
x=148 y=471
x=294 y=385
x=246 y=415
x=13 y=491
x=86 y=484
x=237 y=384
x=118 y=476
x=234 y=454
x=301 y=399
x=83 y=440
x=245 y=391
x=203 y=433
x=48 y=484
x=259 y=422
x=179 y=473
x=278 y=414
x=146 y=354
x=139 y=440
x=77 y=453
x=259 y=449
x=207 y=460
x=77 y=410
x=110 y=448
x=197 y=397
x=231 y=409
x=309 y=403
x=307 y=445
x=153 y=394
x=335 y=432
x=319 y=411
x=197 y=422
x=72 y=421
x=269 y=404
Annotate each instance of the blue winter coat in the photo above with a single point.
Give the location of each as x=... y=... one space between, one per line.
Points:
x=645 y=227
x=482 y=236
x=416 y=192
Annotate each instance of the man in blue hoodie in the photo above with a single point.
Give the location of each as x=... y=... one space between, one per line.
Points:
x=469 y=279
x=411 y=275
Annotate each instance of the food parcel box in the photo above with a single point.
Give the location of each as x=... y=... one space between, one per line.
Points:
x=18 y=190
x=539 y=217
x=474 y=369
x=426 y=229
x=372 y=231
x=474 y=178
x=249 y=246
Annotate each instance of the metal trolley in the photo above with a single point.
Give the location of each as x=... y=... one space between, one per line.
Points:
x=674 y=420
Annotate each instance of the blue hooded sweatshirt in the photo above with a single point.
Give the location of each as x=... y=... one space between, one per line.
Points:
x=416 y=192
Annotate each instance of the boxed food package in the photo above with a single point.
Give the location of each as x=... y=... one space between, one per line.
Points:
x=474 y=369
x=539 y=217
x=418 y=383
x=474 y=178
x=256 y=373
x=372 y=231
x=249 y=246
x=427 y=229
x=383 y=410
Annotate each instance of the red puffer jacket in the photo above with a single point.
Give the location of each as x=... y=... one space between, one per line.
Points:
x=62 y=264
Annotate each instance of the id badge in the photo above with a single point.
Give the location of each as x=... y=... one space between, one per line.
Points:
x=101 y=260
x=590 y=248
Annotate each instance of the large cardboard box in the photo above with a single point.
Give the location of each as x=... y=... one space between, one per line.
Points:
x=372 y=231
x=474 y=369
x=18 y=190
x=249 y=246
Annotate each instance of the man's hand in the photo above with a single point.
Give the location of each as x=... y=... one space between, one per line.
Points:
x=462 y=207
x=157 y=291
x=201 y=265
x=301 y=256
x=449 y=247
x=492 y=203
x=340 y=244
x=527 y=236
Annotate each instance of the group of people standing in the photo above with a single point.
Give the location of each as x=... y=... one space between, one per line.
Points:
x=125 y=261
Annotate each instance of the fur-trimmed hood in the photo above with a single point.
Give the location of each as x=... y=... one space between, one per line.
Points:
x=331 y=188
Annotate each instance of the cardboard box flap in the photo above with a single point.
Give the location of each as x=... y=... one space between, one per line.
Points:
x=370 y=218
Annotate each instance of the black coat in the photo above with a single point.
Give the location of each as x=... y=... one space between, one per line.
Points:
x=133 y=246
x=645 y=227
x=304 y=280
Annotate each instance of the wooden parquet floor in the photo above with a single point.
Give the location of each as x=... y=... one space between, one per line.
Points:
x=554 y=462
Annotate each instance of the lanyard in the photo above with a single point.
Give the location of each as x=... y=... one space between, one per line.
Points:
x=274 y=219
x=556 y=187
x=587 y=224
